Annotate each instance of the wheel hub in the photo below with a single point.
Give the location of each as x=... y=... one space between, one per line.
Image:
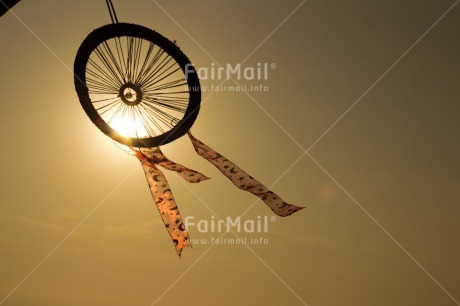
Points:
x=130 y=94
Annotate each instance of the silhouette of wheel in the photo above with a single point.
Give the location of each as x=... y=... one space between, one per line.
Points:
x=136 y=86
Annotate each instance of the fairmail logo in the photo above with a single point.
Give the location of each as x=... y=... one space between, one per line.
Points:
x=229 y=224
x=227 y=72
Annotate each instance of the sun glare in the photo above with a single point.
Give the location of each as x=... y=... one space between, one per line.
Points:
x=129 y=127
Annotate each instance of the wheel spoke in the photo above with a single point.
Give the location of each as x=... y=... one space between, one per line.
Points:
x=114 y=61
x=165 y=61
x=151 y=117
x=137 y=56
x=121 y=56
x=105 y=77
x=146 y=59
x=121 y=106
x=156 y=81
x=144 y=122
x=153 y=62
x=98 y=85
x=169 y=85
x=103 y=100
x=102 y=57
x=178 y=107
x=161 y=115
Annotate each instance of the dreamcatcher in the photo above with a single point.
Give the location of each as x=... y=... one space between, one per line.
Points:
x=132 y=83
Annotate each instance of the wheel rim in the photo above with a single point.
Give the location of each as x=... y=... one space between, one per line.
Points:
x=132 y=83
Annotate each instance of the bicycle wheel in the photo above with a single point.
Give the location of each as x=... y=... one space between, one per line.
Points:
x=136 y=86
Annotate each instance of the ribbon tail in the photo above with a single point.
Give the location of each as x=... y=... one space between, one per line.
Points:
x=244 y=181
x=156 y=156
x=163 y=197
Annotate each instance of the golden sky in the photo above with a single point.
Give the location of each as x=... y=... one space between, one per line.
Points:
x=360 y=124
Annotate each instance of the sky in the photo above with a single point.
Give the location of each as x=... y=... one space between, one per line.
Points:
x=358 y=121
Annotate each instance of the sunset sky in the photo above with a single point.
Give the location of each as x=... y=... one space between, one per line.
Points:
x=359 y=121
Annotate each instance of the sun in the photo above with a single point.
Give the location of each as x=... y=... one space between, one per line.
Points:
x=129 y=126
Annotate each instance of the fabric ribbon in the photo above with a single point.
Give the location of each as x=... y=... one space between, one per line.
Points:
x=242 y=180
x=156 y=157
x=163 y=197
x=162 y=194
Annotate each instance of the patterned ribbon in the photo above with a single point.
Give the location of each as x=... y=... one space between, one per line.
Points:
x=163 y=197
x=156 y=157
x=162 y=194
x=244 y=181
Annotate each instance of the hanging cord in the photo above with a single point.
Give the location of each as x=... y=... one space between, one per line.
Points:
x=113 y=14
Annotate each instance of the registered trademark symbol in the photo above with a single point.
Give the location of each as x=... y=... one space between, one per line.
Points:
x=272 y=218
x=273 y=66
